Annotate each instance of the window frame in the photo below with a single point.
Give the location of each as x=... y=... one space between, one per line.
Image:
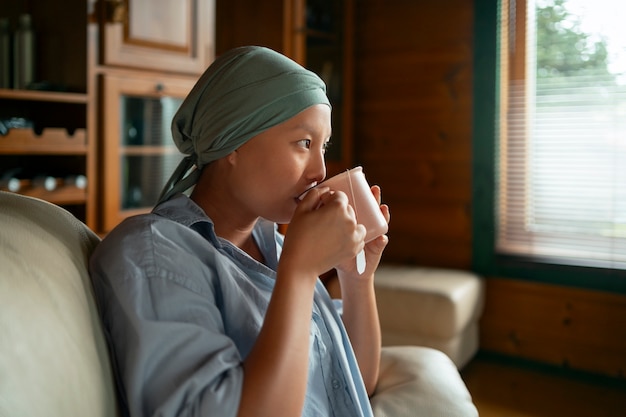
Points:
x=485 y=144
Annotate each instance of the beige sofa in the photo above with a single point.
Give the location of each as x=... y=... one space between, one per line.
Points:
x=53 y=355
x=434 y=307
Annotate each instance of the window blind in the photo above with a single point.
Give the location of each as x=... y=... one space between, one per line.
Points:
x=562 y=158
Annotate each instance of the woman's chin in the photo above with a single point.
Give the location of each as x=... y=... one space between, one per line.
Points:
x=285 y=216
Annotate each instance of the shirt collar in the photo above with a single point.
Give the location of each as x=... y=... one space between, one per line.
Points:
x=185 y=211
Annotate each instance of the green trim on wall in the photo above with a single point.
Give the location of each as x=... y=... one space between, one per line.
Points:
x=485 y=92
x=484 y=145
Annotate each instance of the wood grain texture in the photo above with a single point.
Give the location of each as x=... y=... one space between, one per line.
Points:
x=413 y=123
x=245 y=22
x=568 y=327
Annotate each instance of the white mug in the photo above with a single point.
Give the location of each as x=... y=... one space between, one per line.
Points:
x=366 y=208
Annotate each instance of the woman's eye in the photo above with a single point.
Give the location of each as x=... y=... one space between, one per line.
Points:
x=306 y=143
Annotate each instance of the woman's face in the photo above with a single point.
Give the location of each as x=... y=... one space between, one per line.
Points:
x=273 y=168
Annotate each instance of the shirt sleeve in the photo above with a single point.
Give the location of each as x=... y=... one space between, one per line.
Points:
x=165 y=330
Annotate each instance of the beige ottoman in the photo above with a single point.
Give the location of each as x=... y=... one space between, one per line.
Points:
x=437 y=308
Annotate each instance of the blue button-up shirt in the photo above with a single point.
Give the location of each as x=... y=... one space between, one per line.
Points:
x=182 y=308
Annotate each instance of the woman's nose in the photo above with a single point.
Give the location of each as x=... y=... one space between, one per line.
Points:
x=318 y=167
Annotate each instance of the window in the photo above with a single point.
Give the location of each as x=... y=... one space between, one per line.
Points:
x=560 y=170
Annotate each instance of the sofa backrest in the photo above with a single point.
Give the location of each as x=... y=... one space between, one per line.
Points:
x=53 y=355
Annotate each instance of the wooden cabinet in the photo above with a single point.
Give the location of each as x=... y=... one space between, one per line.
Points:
x=137 y=150
x=316 y=33
x=44 y=146
x=104 y=69
x=150 y=54
x=164 y=35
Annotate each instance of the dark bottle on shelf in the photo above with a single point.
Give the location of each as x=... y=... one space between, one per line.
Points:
x=24 y=53
x=5 y=53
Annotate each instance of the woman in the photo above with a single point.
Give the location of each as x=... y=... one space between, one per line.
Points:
x=210 y=311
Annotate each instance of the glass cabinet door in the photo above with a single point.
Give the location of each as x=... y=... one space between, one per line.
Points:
x=139 y=154
x=147 y=155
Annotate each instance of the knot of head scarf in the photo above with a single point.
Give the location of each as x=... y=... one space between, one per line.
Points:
x=243 y=93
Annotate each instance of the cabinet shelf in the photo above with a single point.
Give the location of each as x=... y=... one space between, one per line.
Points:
x=64 y=195
x=141 y=150
x=44 y=96
x=56 y=141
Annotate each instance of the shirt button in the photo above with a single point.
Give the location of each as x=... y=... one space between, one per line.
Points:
x=336 y=384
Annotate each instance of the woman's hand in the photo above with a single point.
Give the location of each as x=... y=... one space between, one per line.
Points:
x=323 y=232
x=373 y=249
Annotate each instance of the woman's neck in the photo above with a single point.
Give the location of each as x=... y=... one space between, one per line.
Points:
x=230 y=222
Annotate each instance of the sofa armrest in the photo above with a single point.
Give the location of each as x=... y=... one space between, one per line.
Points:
x=420 y=381
x=53 y=355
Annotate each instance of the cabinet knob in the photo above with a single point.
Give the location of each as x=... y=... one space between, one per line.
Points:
x=159 y=87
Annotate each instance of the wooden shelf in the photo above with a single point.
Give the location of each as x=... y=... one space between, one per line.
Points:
x=62 y=195
x=149 y=150
x=55 y=141
x=45 y=96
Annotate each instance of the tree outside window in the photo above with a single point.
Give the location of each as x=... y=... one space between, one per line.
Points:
x=562 y=193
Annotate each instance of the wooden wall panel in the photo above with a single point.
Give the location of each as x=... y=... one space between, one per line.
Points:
x=431 y=138
x=245 y=22
x=413 y=99
x=568 y=327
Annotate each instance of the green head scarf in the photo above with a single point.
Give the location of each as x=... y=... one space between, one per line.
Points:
x=244 y=92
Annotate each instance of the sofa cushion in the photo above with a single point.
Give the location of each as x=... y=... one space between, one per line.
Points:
x=53 y=355
x=420 y=381
x=431 y=301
